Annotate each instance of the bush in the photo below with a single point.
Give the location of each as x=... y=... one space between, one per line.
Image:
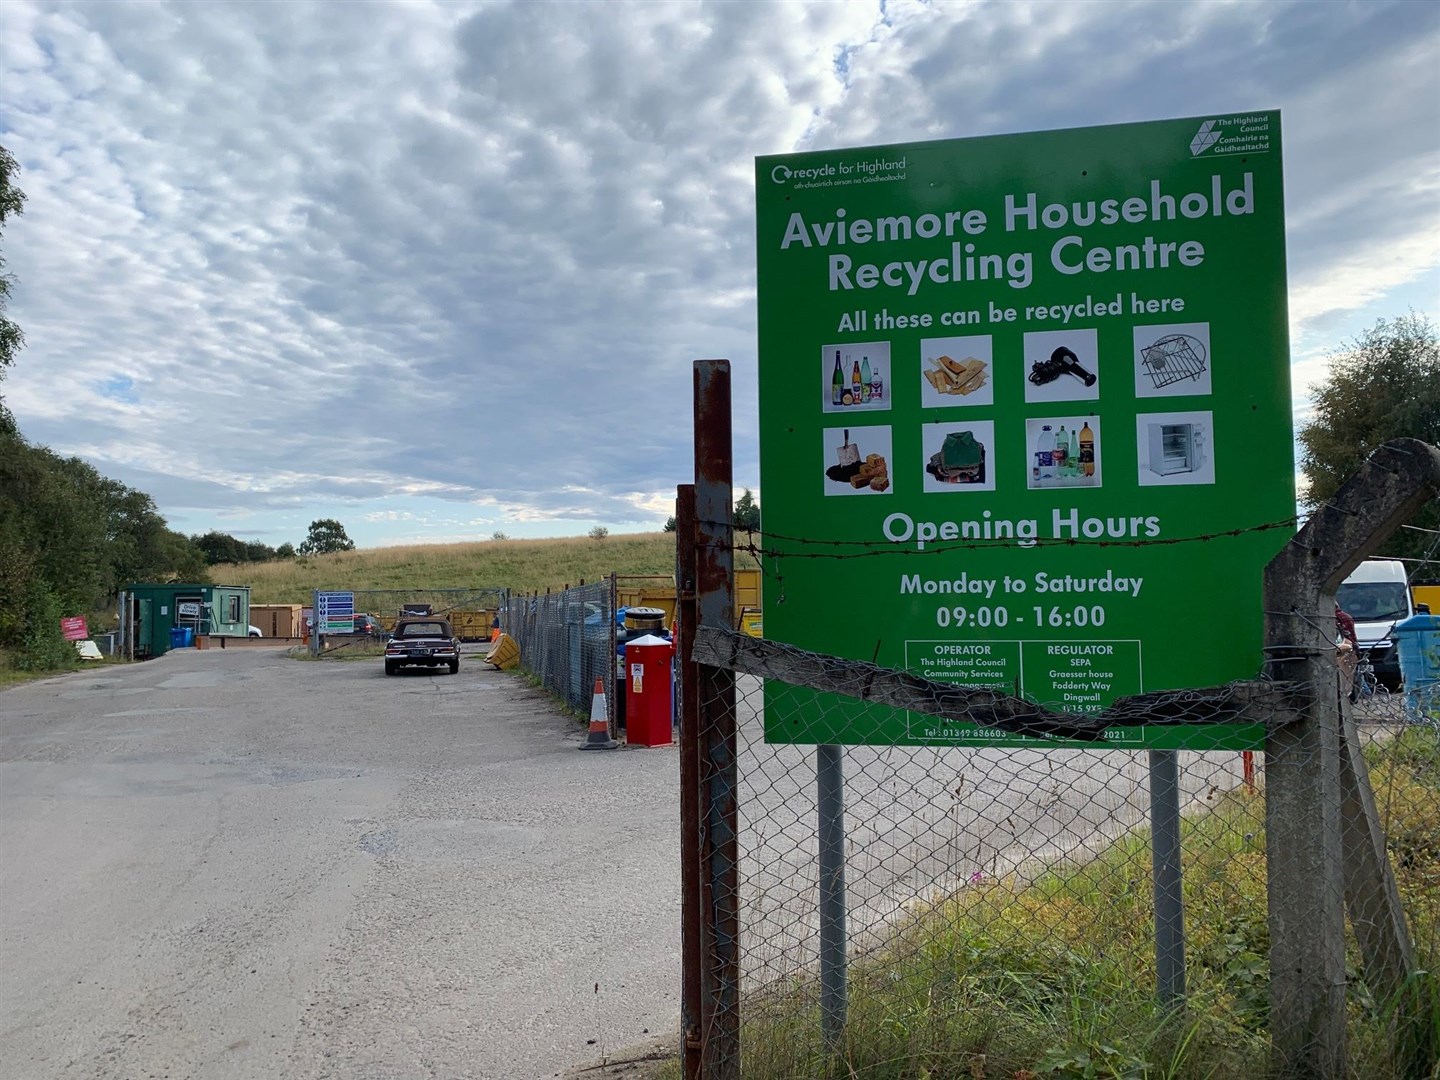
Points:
x=43 y=647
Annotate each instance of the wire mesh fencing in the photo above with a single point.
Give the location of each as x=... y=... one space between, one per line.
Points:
x=567 y=641
x=1008 y=910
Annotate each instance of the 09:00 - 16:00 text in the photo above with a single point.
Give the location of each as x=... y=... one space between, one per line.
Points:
x=998 y=617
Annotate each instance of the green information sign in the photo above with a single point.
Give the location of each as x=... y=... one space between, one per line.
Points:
x=1025 y=414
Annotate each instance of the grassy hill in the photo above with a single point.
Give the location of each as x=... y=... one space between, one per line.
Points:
x=514 y=564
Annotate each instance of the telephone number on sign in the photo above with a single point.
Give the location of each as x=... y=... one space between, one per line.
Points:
x=987 y=617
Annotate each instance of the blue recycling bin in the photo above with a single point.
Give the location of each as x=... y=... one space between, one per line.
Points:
x=189 y=637
x=1418 y=641
x=177 y=637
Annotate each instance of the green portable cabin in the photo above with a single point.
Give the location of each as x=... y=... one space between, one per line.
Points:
x=219 y=610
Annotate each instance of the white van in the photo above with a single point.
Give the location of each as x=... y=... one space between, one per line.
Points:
x=1377 y=596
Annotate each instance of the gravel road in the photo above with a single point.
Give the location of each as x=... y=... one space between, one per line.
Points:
x=234 y=864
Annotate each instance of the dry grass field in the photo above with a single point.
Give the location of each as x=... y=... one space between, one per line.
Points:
x=515 y=564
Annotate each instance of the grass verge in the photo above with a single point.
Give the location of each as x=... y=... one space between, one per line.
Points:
x=14 y=676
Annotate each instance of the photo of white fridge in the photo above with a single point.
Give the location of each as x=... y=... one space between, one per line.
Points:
x=1176 y=448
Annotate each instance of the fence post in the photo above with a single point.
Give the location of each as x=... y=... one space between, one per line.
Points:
x=1169 y=891
x=830 y=819
x=611 y=705
x=1312 y=803
x=691 y=961
x=1304 y=878
x=314 y=622
x=715 y=606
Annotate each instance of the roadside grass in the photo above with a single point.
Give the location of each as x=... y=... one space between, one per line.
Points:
x=1053 y=977
x=10 y=675
x=513 y=564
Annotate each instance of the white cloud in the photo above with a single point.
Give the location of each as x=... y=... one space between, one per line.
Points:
x=376 y=257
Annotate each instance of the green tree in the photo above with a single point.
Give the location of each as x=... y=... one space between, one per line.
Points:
x=43 y=645
x=12 y=201
x=285 y=551
x=219 y=547
x=747 y=512
x=326 y=535
x=1383 y=385
x=670 y=525
x=255 y=551
x=19 y=567
x=174 y=557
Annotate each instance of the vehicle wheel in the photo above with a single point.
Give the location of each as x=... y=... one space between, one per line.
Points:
x=391 y=669
x=454 y=667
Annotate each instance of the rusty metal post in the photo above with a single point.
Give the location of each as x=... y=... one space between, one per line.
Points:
x=691 y=959
x=612 y=664
x=718 y=809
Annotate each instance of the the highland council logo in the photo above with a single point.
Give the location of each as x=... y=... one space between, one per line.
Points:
x=1205 y=138
x=1232 y=135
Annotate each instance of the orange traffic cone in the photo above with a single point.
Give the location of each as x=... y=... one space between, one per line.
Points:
x=599 y=737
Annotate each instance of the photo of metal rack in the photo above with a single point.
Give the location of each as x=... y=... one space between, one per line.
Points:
x=1173 y=358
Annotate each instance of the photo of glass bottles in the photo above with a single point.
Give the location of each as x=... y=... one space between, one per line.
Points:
x=1064 y=452
x=855 y=377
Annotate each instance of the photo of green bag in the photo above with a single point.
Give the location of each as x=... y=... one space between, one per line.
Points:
x=960 y=459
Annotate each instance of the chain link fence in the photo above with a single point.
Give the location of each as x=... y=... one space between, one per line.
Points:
x=992 y=911
x=567 y=641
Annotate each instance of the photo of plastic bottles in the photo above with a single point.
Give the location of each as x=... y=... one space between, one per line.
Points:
x=1064 y=451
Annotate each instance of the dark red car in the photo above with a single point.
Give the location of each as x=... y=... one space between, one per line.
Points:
x=369 y=625
x=422 y=642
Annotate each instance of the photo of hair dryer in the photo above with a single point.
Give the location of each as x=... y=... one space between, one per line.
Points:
x=1062 y=362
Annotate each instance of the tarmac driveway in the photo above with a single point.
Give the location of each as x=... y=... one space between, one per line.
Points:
x=234 y=864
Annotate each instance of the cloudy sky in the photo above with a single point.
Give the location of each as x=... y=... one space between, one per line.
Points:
x=439 y=270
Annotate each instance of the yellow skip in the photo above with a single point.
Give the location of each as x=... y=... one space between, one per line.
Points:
x=504 y=653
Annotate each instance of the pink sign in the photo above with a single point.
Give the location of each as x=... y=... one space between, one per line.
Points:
x=74 y=628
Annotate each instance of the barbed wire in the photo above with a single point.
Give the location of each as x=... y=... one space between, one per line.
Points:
x=1257 y=701
x=764 y=552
